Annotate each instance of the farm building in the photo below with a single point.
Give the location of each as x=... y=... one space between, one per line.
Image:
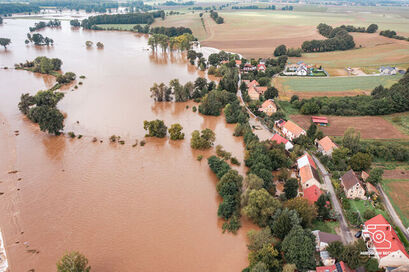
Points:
x=268 y=107
x=326 y=146
x=387 y=70
x=323 y=239
x=281 y=140
x=352 y=185
x=320 y=120
x=387 y=248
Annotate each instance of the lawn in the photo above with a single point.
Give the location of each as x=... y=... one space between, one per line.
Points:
x=117 y=26
x=397 y=191
x=327 y=226
x=327 y=85
x=361 y=206
x=400 y=121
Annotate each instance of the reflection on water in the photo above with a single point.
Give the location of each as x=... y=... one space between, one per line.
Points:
x=151 y=208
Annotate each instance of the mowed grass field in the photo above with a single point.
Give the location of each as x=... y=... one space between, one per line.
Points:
x=397 y=191
x=400 y=121
x=330 y=86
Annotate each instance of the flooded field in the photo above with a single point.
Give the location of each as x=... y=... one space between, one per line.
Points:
x=151 y=208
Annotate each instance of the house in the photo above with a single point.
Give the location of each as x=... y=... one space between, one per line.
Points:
x=302 y=70
x=352 y=185
x=309 y=177
x=252 y=92
x=248 y=67
x=249 y=83
x=320 y=120
x=304 y=160
x=323 y=239
x=261 y=67
x=292 y=131
x=261 y=89
x=312 y=194
x=326 y=259
x=383 y=243
x=268 y=107
x=281 y=140
x=387 y=70
x=338 y=267
x=326 y=146
x=238 y=63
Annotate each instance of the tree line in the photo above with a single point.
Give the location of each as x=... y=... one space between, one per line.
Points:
x=282 y=50
x=392 y=34
x=130 y=18
x=10 y=8
x=41 y=25
x=170 y=31
x=338 y=39
x=182 y=42
x=330 y=32
x=269 y=7
x=89 y=6
x=38 y=39
x=382 y=101
x=215 y=16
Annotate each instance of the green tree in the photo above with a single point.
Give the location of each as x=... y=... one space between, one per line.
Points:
x=299 y=248
x=372 y=28
x=155 y=128
x=352 y=254
x=280 y=50
x=289 y=268
x=260 y=206
x=307 y=212
x=230 y=184
x=202 y=140
x=312 y=131
x=375 y=176
x=88 y=44
x=259 y=267
x=360 y=161
x=218 y=166
x=369 y=213
x=175 y=132
x=322 y=207
x=336 y=249
x=372 y=265
x=257 y=239
x=271 y=93
x=351 y=139
x=266 y=255
x=283 y=221
x=73 y=262
x=26 y=101
x=5 y=42
x=291 y=188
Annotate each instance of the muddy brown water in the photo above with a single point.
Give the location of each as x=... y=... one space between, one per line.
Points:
x=151 y=208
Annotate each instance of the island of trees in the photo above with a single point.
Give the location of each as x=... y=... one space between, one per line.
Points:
x=5 y=42
x=39 y=39
x=41 y=25
x=129 y=18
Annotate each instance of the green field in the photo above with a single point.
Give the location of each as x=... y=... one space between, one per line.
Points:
x=336 y=84
x=397 y=191
x=400 y=121
x=361 y=206
x=117 y=26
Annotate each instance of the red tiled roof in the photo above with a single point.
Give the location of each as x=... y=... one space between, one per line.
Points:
x=253 y=83
x=293 y=128
x=238 y=62
x=261 y=89
x=310 y=160
x=327 y=144
x=319 y=119
x=279 y=139
x=387 y=241
x=261 y=66
x=333 y=268
x=312 y=193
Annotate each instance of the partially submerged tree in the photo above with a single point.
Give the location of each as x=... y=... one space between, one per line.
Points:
x=5 y=42
x=73 y=262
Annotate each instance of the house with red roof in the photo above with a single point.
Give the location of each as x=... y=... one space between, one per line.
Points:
x=268 y=107
x=261 y=67
x=291 y=130
x=238 y=63
x=248 y=67
x=281 y=140
x=304 y=160
x=309 y=177
x=320 y=120
x=312 y=193
x=383 y=243
x=338 y=267
x=326 y=146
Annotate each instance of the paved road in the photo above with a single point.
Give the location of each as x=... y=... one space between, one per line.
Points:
x=392 y=212
x=346 y=235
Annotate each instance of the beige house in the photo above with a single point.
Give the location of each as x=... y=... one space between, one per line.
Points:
x=268 y=107
x=309 y=177
x=352 y=185
x=326 y=146
x=291 y=130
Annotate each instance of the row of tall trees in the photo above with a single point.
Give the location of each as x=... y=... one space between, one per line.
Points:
x=10 y=8
x=392 y=34
x=41 y=25
x=182 y=42
x=129 y=18
x=381 y=101
x=42 y=65
x=340 y=41
x=38 y=39
x=282 y=50
x=330 y=32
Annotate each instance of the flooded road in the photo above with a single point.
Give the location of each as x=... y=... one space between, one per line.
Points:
x=151 y=208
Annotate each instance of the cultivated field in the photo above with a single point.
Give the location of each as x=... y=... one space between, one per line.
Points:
x=397 y=190
x=117 y=26
x=255 y=33
x=370 y=127
x=331 y=86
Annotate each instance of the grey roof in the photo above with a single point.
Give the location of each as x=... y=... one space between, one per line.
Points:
x=349 y=180
x=328 y=237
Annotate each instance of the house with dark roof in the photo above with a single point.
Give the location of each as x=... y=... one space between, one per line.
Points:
x=352 y=185
x=387 y=70
x=323 y=239
x=383 y=243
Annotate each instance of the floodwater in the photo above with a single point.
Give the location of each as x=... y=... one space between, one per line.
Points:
x=150 y=208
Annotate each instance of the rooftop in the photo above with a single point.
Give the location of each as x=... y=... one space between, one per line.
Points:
x=312 y=193
x=327 y=144
x=349 y=179
x=293 y=128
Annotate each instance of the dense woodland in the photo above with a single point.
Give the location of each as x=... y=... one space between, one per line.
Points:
x=381 y=101
x=131 y=18
x=10 y=8
x=41 y=25
x=170 y=31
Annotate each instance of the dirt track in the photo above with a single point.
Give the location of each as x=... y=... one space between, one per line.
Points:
x=370 y=127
